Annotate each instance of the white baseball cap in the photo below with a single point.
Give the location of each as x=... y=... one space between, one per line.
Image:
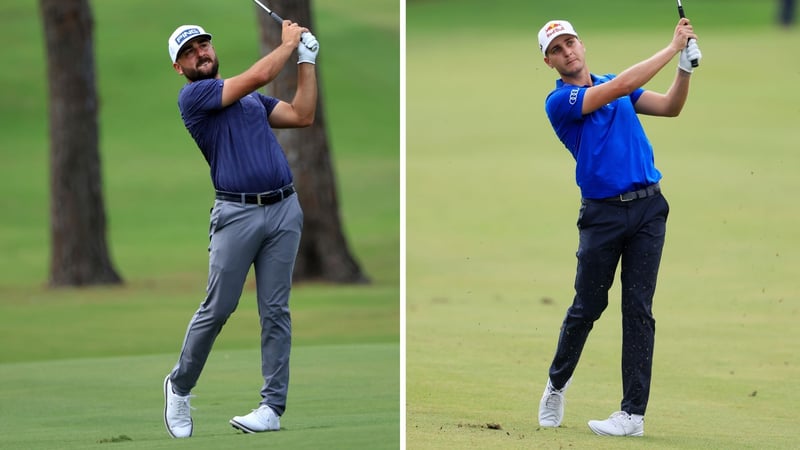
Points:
x=181 y=36
x=552 y=30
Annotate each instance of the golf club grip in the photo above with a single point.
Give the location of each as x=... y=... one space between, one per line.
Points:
x=694 y=62
x=303 y=36
x=276 y=17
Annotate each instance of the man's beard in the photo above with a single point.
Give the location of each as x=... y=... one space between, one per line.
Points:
x=194 y=74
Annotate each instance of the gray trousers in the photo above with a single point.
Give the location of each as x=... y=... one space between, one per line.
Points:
x=242 y=235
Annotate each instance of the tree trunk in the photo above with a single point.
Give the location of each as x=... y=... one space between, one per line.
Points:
x=324 y=253
x=786 y=12
x=79 y=254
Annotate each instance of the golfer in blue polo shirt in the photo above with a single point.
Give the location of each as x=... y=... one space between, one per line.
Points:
x=623 y=213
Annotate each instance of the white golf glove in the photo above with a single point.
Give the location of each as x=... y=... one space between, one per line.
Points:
x=307 y=49
x=692 y=51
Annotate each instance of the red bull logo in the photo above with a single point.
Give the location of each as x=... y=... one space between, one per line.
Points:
x=553 y=28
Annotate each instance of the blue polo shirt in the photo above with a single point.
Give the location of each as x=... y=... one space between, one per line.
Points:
x=238 y=143
x=611 y=151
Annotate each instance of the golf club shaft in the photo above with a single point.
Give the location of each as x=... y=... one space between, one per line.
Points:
x=269 y=11
x=695 y=62
x=303 y=37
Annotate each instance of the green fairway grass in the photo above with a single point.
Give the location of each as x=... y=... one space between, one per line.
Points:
x=83 y=368
x=341 y=397
x=491 y=237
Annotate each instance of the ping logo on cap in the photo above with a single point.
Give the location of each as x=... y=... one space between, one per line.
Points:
x=186 y=34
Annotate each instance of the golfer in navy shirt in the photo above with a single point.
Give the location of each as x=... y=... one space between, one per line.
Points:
x=256 y=219
x=623 y=213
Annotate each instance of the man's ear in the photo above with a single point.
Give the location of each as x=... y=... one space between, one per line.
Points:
x=177 y=68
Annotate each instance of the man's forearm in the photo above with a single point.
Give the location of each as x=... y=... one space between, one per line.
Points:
x=305 y=99
x=677 y=93
x=271 y=65
x=639 y=74
x=258 y=75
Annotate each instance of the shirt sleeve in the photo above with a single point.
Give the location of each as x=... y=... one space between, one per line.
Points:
x=565 y=105
x=634 y=96
x=200 y=98
x=269 y=102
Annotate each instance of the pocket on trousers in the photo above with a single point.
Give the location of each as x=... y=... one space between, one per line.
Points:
x=215 y=220
x=666 y=207
x=582 y=214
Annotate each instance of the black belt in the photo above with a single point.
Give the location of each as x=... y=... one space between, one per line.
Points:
x=264 y=198
x=649 y=191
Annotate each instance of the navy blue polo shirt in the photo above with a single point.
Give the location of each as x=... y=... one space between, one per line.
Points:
x=611 y=151
x=237 y=141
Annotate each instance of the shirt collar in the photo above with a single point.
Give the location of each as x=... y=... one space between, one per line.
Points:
x=595 y=80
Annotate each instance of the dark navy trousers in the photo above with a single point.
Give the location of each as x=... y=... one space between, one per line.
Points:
x=612 y=231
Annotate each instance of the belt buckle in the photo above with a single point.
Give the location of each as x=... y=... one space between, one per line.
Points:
x=635 y=195
x=267 y=195
x=259 y=197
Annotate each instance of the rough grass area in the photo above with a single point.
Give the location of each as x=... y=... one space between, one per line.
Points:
x=491 y=250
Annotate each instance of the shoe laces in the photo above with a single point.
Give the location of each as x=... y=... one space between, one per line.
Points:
x=264 y=413
x=182 y=405
x=554 y=397
x=553 y=400
x=621 y=416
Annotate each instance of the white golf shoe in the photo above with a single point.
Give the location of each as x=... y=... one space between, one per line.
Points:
x=261 y=419
x=619 y=424
x=177 y=412
x=551 y=407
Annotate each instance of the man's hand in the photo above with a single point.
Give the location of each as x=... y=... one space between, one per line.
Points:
x=692 y=51
x=307 y=49
x=290 y=33
x=683 y=32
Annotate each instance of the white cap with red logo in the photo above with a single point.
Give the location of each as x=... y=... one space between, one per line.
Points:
x=552 y=30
